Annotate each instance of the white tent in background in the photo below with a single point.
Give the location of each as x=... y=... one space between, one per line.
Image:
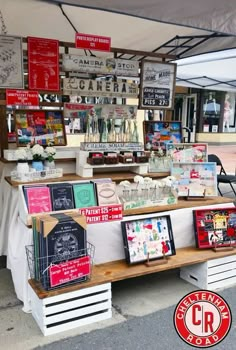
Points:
x=214 y=71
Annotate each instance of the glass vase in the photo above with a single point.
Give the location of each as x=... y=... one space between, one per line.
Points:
x=104 y=132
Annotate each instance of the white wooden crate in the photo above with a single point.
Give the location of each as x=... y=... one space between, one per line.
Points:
x=73 y=309
x=213 y=274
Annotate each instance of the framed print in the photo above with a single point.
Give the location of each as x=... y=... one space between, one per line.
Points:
x=215 y=227
x=151 y=237
x=43 y=64
x=187 y=152
x=158 y=133
x=157 y=84
x=40 y=126
x=11 y=62
x=195 y=179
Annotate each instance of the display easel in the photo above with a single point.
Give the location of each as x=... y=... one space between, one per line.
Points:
x=163 y=260
x=193 y=198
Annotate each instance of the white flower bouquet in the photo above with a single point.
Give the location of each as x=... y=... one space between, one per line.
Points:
x=21 y=155
x=37 y=152
x=50 y=153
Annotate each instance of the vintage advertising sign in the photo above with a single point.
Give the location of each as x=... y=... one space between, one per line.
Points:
x=75 y=110
x=11 y=62
x=100 y=65
x=104 y=213
x=69 y=271
x=43 y=63
x=92 y=42
x=89 y=87
x=157 y=83
x=22 y=98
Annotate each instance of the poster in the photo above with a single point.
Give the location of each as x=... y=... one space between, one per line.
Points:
x=157 y=83
x=100 y=65
x=11 y=62
x=43 y=63
x=41 y=127
x=106 y=88
x=157 y=134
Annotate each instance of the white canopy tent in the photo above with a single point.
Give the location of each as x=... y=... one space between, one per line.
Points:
x=180 y=28
x=211 y=71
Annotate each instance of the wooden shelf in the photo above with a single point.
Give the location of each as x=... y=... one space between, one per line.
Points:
x=182 y=203
x=73 y=177
x=119 y=270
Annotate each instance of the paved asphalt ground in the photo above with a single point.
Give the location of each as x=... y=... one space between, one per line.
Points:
x=152 y=332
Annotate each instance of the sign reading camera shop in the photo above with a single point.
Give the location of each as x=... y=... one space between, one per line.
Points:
x=99 y=65
x=89 y=87
x=157 y=84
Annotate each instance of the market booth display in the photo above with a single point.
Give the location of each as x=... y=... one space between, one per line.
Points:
x=128 y=208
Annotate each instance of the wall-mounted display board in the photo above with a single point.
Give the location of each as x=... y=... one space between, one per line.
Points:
x=157 y=133
x=11 y=62
x=215 y=227
x=157 y=84
x=106 y=88
x=40 y=127
x=100 y=65
x=195 y=179
x=43 y=63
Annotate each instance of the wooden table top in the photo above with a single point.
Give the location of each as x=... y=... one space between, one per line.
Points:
x=120 y=270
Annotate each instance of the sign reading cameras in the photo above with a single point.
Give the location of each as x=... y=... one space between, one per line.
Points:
x=100 y=65
x=89 y=87
x=157 y=83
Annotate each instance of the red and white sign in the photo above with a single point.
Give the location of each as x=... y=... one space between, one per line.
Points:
x=22 y=98
x=202 y=319
x=69 y=271
x=43 y=63
x=95 y=215
x=92 y=42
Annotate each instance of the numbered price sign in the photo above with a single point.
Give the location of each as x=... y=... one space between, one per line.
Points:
x=157 y=83
x=105 y=213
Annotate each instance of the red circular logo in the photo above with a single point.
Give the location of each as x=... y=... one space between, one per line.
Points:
x=202 y=318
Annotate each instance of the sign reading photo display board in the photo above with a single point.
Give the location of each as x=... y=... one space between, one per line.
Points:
x=40 y=127
x=43 y=62
x=11 y=62
x=157 y=83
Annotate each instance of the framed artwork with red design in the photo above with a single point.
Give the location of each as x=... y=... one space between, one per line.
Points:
x=215 y=227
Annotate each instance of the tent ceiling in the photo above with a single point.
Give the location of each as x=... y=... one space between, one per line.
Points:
x=213 y=15
x=49 y=19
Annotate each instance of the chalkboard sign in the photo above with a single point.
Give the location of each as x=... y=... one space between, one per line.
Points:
x=157 y=85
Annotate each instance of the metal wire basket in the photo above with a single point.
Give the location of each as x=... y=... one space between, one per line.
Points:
x=57 y=271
